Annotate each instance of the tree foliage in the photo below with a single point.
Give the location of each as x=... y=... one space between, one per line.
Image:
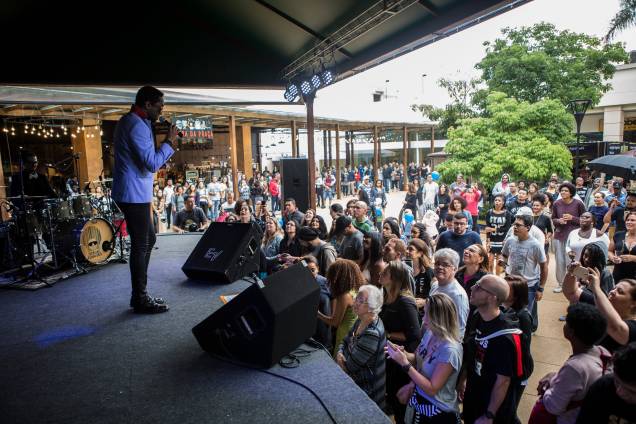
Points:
x=624 y=18
x=460 y=107
x=525 y=140
x=540 y=62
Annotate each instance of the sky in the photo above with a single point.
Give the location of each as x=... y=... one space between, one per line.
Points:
x=453 y=57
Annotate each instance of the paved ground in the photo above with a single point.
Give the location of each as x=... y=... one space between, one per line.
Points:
x=549 y=347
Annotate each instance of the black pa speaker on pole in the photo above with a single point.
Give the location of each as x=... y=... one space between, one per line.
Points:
x=294 y=174
x=266 y=321
x=227 y=251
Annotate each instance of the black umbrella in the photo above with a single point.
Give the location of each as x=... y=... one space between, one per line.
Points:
x=617 y=165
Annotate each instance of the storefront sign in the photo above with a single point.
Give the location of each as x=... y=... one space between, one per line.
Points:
x=195 y=130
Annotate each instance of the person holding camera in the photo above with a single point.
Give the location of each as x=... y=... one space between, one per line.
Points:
x=191 y=218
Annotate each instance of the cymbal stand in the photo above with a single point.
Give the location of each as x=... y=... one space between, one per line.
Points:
x=34 y=273
x=118 y=230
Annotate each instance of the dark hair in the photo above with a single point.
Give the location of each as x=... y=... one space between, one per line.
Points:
x=322 y=226
x=351 y=202
x=539 y=197
x=239 y=204
x=519 y=289
x=570 y=188
x=344 y=275
x=503 y=199
x=147 y=93
x=624 y=360
x=336 y=208
x=290 y=200
x=449 y=217
x=597 y=258
x=586 y=322
x=527 y=220
x=310 y=259
x=461 y=201
x=460 y=215
x=393 y=224
x=374 y=252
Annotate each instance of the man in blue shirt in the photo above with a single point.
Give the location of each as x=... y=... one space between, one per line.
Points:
x=460 y=238
x=136 y=159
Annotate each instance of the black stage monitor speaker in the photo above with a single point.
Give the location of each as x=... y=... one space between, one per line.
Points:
x=266 y=321
x=227 y=251
x=294 y=174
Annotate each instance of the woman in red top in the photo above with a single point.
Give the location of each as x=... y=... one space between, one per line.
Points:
x=472 y=196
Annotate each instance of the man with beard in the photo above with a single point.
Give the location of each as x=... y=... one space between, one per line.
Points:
x=460 y=238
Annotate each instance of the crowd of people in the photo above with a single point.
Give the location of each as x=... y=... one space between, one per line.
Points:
x=432 y=312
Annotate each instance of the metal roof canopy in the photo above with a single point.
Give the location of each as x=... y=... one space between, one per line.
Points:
x=219 y=43
x=28 y=113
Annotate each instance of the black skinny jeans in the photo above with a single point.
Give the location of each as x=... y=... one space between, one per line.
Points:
x=142 y=239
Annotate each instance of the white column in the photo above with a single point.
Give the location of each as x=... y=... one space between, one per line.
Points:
x=613 y=123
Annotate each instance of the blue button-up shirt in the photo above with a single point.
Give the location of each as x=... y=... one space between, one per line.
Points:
x=136 y=159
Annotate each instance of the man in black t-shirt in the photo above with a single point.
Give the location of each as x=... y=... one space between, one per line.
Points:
x=519 y=202
x=490 y=375
x=612 y=398
x=190 y=218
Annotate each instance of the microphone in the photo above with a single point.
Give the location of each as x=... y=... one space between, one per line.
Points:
x=165 y=121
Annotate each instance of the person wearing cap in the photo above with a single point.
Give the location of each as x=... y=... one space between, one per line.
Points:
x=616 y=192
x=324 y=252
x=351 y=245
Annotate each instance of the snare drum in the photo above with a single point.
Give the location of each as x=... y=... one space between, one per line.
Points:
x=82 y=207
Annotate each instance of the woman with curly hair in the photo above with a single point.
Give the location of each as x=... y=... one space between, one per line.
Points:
x=458 y=205
x=344 y=279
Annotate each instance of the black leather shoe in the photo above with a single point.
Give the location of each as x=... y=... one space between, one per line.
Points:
x=158 y=300
x=151 y=307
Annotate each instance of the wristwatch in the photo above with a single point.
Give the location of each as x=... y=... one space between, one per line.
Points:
x=406 y=368
x=540 y=289
x=489 y=415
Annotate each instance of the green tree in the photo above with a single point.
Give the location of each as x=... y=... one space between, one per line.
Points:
x=525 y=140
x=460 y=92
x=540 y=62
x=624 y=18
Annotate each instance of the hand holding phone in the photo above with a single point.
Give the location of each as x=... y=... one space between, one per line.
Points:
x=581 y=273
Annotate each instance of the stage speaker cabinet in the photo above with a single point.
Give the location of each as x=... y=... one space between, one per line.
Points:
x=227 y=251
x=294 y=174
x=266 y=321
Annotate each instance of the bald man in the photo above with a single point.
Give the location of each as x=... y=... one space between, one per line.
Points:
x=360 y=219
x=489 y=381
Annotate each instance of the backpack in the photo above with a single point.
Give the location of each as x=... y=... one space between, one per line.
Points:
x=524 y=364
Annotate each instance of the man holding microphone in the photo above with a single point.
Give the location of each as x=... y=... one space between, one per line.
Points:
x=136 y=159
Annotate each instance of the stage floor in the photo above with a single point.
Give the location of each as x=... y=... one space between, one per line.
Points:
x=75 y=353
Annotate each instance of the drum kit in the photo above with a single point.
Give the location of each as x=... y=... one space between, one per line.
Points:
x=55 y=233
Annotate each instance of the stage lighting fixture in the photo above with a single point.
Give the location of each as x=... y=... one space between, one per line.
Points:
x=315 y=81
x=291 y=92
x=327 y=77
x=305 y=87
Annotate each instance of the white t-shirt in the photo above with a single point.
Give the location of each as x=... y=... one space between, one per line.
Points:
x=168 y=192
x=524 y=258
x=430 y=190
x=214 y=190
x=535 y=233
x=575 y=243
